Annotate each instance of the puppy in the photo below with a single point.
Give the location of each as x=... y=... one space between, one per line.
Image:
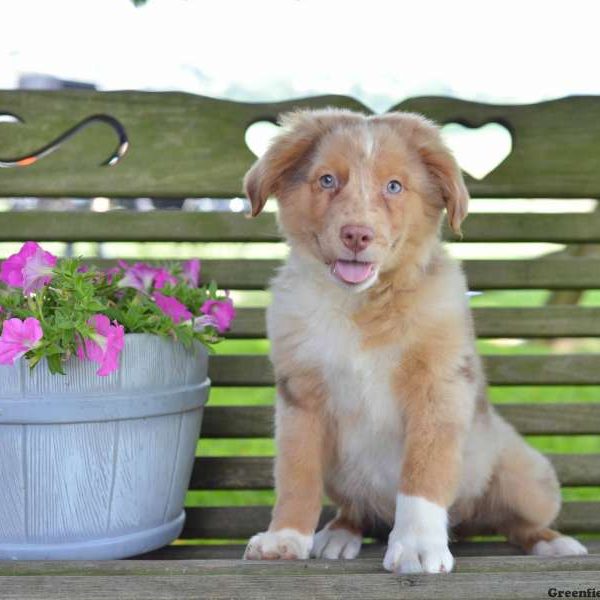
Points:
x=381 y=397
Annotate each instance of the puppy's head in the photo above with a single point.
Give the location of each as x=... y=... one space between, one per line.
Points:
x=356 y=192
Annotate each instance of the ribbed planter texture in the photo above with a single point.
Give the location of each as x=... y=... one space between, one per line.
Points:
x=97 y=467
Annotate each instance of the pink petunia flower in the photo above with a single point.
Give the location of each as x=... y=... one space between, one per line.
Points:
x=162 y=277
x=172 y=307
x=37 y=271
x=191 y=272
x=18 y=337
x=139 y=276
x=222 y=312
x=142 y=277
x=201 y=323
x=105 y=345
x=11 y=271
x=30 y=268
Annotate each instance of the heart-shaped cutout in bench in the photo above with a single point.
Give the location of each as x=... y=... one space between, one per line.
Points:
x=9 y=118
x=478 y=150
x=259 y=135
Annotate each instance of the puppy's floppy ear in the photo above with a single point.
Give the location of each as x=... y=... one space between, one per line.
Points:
x=444 y=170
x=448 y=177
x=440 y=163
x=300 y=132
x=260 y=183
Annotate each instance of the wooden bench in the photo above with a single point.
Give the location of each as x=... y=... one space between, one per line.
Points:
x=187 y=146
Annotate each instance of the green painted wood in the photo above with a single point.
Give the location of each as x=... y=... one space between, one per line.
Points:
x=567 y=369
x=542 y=322
x=184 y=145
x=278 y=586
x=256 y=472
x=529 y=419
x=551 y=273
x=126 y=225
x=180 y=145
x=183 y=226
x=243 y=521
x=555 y=144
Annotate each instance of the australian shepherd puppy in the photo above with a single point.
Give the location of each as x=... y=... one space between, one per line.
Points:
x=381 y=396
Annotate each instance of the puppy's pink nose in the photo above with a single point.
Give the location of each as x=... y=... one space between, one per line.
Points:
x=356 y=237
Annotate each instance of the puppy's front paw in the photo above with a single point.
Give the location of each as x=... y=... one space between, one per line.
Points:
x=336 y=543
x=409 y=555
x=287 y=544
x=418 y=542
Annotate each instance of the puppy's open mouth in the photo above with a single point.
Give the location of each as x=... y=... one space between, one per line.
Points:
x=351 y=271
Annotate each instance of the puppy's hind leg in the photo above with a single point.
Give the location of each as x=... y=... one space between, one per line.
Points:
x=340 y=538
x=526 y=492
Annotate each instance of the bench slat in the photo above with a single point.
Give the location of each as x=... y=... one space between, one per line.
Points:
x=484 y=552
x=225 y=559
x=567 y=369
x=529 y=419
x=277 y=584
x=181 y=145
x=539 y=322
x=549 y=273
x=243 y=521
x=243 y=473
x=178 y=226
x=184 y=145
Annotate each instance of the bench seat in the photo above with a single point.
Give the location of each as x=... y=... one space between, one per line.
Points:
x=483 y=570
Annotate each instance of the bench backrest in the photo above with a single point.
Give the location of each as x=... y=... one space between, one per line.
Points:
x=189 y=146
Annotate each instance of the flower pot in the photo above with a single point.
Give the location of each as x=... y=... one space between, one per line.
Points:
x=97 y=467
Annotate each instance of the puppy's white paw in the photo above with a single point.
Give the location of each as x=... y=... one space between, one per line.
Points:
x=336 y=543
x=409 y=555
x=418 y=542
x=560 y=546
x=286 y=544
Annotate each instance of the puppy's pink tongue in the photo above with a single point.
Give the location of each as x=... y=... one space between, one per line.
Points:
x=352 y=272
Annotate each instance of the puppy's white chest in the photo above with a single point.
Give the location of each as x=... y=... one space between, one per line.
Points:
x=362 y=401
x=368 y=417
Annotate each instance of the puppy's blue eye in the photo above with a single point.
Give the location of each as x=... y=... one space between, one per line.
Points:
x=327 y=181
x=394 y=186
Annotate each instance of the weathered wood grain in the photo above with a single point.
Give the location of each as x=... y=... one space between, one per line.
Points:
x=184 y=145
x=542 y=322
x=237 y=522
x=529 y=419
x=567 y=369
x=377 y=585
x=480 y=550
x=256 y=472
x=180 y=144
x=368 y=562
x=177 y=226
x=555 y=144
x=551 y=273
x=538 y=322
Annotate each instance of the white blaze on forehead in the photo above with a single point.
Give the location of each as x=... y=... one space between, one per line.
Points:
x=368 y=140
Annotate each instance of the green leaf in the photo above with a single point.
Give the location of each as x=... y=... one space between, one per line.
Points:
x=55 y=364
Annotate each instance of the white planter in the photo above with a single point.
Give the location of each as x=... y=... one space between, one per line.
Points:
x=97 y=467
